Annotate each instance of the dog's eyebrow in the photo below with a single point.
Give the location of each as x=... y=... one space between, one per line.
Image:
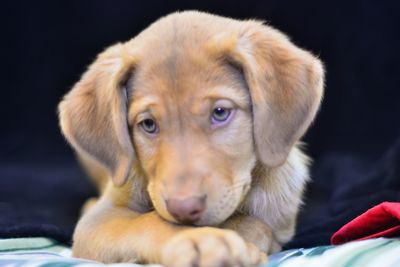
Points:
x=141 y=104
x=240 y=97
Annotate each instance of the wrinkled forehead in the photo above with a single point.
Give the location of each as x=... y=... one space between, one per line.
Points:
x=183 y=73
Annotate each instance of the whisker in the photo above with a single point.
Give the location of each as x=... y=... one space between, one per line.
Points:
x=236 y=185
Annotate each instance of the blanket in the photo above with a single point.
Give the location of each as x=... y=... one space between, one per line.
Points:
x=41 y=252
x=381 y=220
x=345 y=186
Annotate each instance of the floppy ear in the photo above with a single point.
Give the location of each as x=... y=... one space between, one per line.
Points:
x=93 y=115
x=285 y=84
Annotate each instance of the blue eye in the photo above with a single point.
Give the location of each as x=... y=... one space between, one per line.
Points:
x=149 y=126
x=221 y=114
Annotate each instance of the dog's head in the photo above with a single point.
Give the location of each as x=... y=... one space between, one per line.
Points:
x=192 y=103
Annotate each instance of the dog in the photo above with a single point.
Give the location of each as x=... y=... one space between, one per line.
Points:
x=191 y=132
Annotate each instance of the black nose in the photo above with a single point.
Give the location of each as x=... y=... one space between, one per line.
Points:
x=187 y=210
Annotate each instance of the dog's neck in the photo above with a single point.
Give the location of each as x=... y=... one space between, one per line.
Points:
x=275 y=194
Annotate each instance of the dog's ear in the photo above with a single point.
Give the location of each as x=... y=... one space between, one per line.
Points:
x=285 y=84
x=93 y=115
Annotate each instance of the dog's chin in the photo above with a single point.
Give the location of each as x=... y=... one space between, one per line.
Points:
x=204 y=221
x=207 y=219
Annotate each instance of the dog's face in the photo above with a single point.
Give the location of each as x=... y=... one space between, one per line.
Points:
x=192 y=133
x=192 y=103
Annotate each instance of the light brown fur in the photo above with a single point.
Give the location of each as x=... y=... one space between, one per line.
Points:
x=252 y=170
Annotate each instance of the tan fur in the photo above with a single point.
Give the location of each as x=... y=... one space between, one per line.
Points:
x=177 y=71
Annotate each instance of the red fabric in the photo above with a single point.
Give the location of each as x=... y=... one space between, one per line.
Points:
x=381 y=220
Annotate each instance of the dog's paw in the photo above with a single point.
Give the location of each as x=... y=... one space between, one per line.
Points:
x=210 y=247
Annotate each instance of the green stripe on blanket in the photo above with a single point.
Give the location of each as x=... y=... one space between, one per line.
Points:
x=43 y=252
x=379 y=252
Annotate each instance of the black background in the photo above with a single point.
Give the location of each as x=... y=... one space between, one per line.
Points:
x=46 y=46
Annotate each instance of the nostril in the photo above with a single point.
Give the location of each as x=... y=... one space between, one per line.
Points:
x=195 y=212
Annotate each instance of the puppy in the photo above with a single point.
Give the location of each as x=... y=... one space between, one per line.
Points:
x=197 y=121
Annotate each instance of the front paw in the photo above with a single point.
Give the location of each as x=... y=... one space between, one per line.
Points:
x=210 y=247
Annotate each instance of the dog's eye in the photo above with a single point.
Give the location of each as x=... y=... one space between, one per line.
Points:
x=149 y=126
x=220 y=115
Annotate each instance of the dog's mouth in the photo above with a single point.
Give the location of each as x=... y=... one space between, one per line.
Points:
x=200 y=210
x=209 y=203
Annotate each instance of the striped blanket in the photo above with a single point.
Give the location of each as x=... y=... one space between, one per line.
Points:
x=381 y=252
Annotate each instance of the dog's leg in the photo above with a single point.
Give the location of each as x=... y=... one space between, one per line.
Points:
x=98 y=176
x=89 y=203
x=115 y=234
x=254 y=231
